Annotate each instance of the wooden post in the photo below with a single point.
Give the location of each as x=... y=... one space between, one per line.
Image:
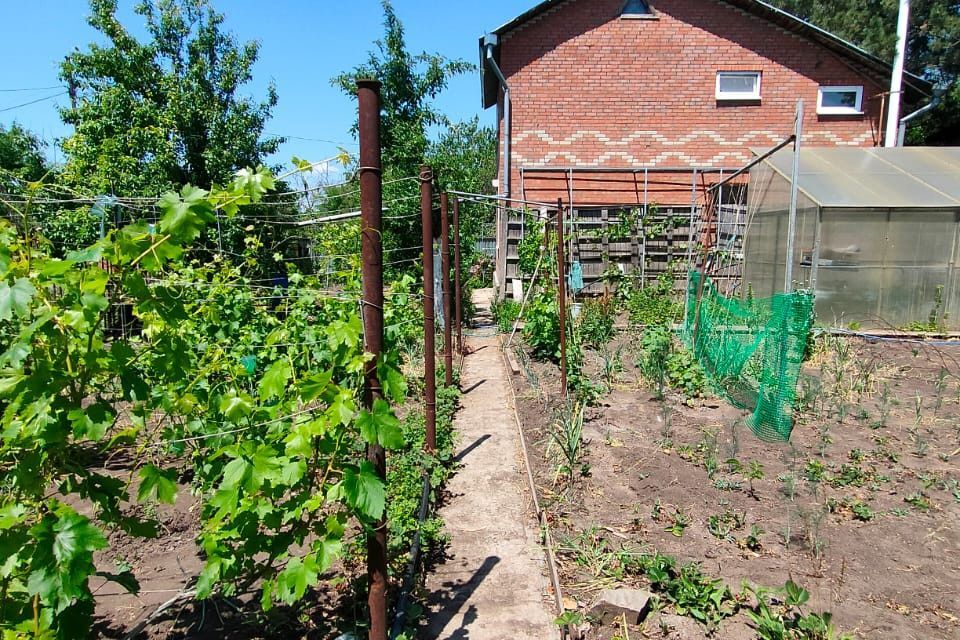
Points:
x=429 y=319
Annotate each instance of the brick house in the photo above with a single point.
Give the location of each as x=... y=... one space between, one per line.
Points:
x=616 y=103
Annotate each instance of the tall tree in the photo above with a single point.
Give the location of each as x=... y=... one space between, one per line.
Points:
x=152 y=115
x=933 y=48
x=410 y=83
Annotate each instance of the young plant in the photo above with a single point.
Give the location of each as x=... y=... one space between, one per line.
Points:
x=755 y=472
x=567 y=435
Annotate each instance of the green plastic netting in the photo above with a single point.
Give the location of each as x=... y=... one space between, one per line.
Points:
x=752 y=350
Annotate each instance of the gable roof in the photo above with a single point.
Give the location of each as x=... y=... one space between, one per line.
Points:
x=873 y=65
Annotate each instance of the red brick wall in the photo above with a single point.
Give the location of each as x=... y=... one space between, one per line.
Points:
x=590 y=88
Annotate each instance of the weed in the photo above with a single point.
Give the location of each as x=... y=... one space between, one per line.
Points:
x=595 y=322
x=686 y=588
x=725 y=484
x=919 y=500
x=752 y=540
x=920 y=445
x=755 y=472
x=815 y=471
x=722 y=525
x=678 y=523
x=505 y=314
x=656 y=346
x=941 y=386
x=781 y=617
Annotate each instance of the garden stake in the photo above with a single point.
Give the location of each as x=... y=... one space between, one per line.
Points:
x=458 y=294
x=561 y=299
x=371 y=252
x=429 y=320
x=445 y=283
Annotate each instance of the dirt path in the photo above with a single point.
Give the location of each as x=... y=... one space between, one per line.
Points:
x=492 y=586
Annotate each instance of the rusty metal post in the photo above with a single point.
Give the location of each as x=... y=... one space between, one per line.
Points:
x=562 y=299
x=371 y=307
x=429 y=320
x=445 y=283
x=458 y=292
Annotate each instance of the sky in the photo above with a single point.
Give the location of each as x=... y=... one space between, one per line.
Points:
x=304 y=43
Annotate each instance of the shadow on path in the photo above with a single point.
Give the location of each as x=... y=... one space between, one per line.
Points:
x=476 y=443
x=448 y=602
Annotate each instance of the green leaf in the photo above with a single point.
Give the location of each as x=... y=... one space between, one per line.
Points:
x=11 y=515
x=185 y=216
x=236 y=405
x=314 y=385
x=364 y=491
x=15 y=299
x=92 y=423
x=394 y=384
x=75 y=536
x=275 y=379
x=235 y=473
x=296 y=577
x=160 y=484
x=380 y=426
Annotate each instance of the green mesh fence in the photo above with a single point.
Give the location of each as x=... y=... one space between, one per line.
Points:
x=752 y=350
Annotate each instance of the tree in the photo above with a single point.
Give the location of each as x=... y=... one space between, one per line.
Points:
x=153 y=115
x=933 y=48
x=21 y=158
x=409 y=84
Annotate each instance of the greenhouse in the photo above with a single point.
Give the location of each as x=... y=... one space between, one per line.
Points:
x=876 y=234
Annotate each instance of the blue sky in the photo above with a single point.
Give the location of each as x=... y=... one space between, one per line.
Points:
x=304 y=43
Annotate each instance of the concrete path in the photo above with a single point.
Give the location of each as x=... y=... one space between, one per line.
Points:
x=493 y=585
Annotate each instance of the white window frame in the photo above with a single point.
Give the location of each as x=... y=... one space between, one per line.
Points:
x=855 y=110
x=739 y=95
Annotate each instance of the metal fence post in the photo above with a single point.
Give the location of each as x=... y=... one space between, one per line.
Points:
x=445 y=283
x=562 y=299
x=458 y=293
x=371 y=250
x=429 y=319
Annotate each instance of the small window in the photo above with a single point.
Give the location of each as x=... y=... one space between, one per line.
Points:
x=738 y=85
x=636 y=8
x=840 y=101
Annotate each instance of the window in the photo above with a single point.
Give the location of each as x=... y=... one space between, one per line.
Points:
x=738 y=85
x=636 y=8
x=840 y=101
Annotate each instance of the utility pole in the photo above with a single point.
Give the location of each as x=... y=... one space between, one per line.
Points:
x=896 y=83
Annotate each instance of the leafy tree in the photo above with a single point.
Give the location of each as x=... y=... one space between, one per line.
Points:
x=21 y=158
x=410 y=83
x=152 y=115
x=933 y=51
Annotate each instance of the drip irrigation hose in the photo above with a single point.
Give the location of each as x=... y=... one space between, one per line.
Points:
x=404 y=601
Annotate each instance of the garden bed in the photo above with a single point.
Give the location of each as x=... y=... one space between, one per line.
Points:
x=861 y=508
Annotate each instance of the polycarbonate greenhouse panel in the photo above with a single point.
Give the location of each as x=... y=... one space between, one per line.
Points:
x=899 y=178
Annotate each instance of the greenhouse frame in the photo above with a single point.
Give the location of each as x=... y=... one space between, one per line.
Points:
x=876 y=239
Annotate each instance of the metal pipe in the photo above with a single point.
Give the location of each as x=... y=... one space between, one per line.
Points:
x=429 y=319
x=504 y=185
x=458 y=293
x=902 y=134
x=750 y=165
x=562 y=299
x=794 y=189
x=507 y=166
x=445 y=284
x=371 y=251
x=896 y=82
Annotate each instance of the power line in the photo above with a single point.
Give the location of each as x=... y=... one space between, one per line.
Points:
x=56 y=86
x=24 y=104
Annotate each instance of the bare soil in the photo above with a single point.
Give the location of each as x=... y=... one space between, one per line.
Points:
x=861 y=508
